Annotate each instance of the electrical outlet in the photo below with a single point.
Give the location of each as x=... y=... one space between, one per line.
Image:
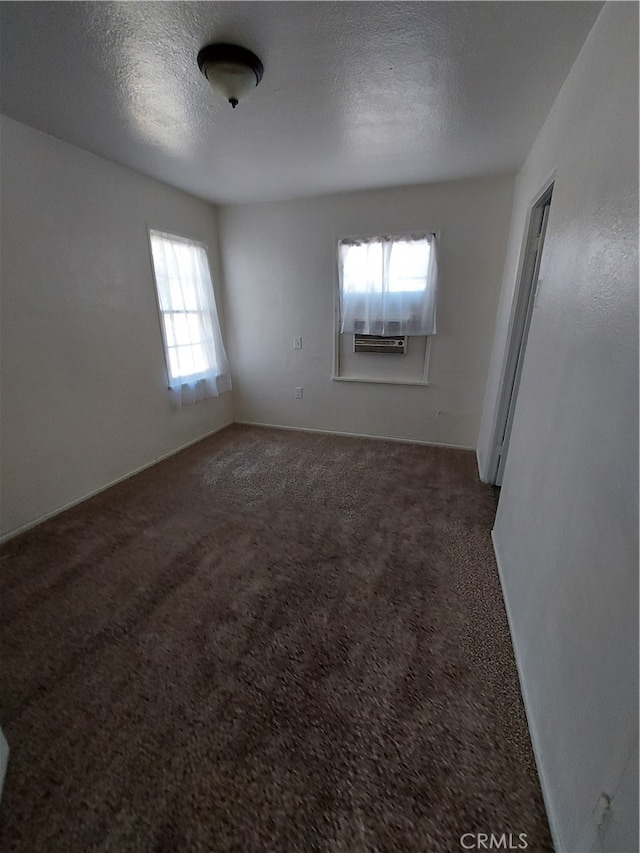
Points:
x=297 y=343
x=298 y=392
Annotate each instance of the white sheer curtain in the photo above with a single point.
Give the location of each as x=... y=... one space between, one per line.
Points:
x=197 y=365
x=388 y=285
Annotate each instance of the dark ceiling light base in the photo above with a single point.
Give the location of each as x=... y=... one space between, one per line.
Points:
x=231 y=70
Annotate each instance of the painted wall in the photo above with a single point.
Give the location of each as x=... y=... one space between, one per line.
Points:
x=84 y=397
x=566 y=532
x=280 y=271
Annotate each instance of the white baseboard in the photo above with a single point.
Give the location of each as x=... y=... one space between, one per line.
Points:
x=357 y=435
x=533 y=729
x=18 y=530
x=4 y=759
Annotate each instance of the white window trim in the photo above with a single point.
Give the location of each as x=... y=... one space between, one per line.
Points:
x=192 y=378
x=337 y=377
x=159 y=311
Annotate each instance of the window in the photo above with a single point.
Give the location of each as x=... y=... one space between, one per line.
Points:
x=388 y=285
x=385 y=304
x=197 y=365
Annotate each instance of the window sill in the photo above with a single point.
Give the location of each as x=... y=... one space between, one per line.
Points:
x=375 y=381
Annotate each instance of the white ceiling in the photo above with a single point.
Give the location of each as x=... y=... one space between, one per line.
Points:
x=354 y=95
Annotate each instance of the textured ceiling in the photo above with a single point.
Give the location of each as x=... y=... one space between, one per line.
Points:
x=354 y=95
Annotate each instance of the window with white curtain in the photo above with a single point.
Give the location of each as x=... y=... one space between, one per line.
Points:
x=197 y=365
x=388 y=285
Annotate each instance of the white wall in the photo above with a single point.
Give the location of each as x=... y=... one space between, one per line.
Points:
x=280 y=272
x=566 y=532
x=84 y=397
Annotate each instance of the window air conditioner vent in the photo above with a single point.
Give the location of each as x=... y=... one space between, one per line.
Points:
x=391 y=344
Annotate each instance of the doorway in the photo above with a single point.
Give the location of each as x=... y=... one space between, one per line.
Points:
x=522 y=321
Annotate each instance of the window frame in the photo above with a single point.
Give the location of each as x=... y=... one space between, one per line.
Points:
x=192 y=377
x=336 y=375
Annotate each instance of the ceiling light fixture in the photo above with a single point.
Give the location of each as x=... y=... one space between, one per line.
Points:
x=231 y=70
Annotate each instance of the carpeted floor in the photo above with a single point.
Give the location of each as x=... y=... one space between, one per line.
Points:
x=273 y=641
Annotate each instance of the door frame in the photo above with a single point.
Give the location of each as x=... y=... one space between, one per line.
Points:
x=524 y=301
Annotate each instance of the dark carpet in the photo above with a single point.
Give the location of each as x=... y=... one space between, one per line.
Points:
x=272 y=641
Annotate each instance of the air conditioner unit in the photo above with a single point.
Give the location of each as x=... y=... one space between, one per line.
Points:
x=390 y=344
